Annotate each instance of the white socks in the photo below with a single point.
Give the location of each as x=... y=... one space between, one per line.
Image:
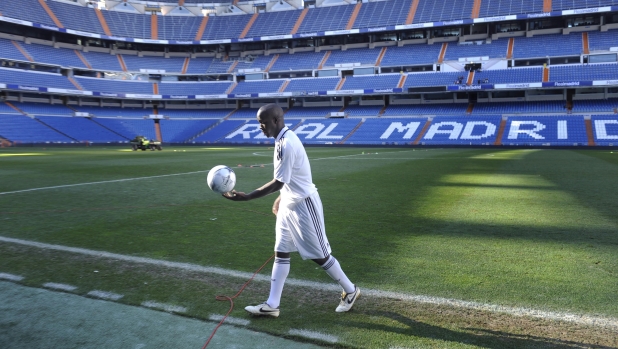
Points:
x=333 y=269
x=281 y=269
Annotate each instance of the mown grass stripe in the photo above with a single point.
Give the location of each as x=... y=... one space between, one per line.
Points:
x=581 y=319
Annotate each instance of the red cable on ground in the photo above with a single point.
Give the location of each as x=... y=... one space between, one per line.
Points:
x=231 y=299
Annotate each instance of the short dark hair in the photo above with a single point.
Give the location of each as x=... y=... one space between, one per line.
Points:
x=271 y=110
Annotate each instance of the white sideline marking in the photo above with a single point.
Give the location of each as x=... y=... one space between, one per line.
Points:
x=229 y=319
x=63 y=287
x=12 y=277
x=314 y=335
x=163 y=306
x=582 y=319
x=105 y=295
x=100 y=182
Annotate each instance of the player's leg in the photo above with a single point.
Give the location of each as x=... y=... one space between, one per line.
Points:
x=281 y=269
x=315 y=243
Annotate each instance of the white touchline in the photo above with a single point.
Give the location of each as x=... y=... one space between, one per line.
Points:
x=170 y=308
x=57 y=286
x=229 y=319
x=582 y=319
x=105 y=295
x=100 y=182
x=12 y=277
x=314 y=335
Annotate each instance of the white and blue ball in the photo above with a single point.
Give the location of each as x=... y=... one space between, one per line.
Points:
x=221 y=179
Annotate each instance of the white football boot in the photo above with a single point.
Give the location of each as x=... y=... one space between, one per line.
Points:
x=347 y=300
x=262 y=310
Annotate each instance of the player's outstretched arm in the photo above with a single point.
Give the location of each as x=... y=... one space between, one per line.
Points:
x=264 y=190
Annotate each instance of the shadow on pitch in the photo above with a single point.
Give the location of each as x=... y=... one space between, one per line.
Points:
x=479 y=337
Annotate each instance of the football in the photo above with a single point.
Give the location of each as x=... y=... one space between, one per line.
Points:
x=221 y=179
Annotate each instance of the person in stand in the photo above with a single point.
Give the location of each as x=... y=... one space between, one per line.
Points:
x=300 y=218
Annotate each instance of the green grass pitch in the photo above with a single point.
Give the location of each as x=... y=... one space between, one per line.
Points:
x=530 y=228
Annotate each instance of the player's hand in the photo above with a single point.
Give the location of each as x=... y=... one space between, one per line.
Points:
x=236 y=196
x=276 y=205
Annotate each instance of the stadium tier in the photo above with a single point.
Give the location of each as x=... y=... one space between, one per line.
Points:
x=124 y=20
x=524 y=124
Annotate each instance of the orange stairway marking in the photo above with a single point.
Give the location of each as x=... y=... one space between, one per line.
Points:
x=185 y=65
x=380 y=56
x=83 y=59
x=589 y=132
x=382 y=111
x=353 y=16
x=412 y=11
x=423 y=131
x=442 y=52
x=121 y=61
x=500 y=132
x=476 y=9
x=271 y=63
x=547 y=5
x=324 y=59
x=181 y=2
x=75 y=83
x=299 y=21
x=200 y=30
x=284 y=85
x=402 y=80
x=248 y=26
x=232 y=67
x=352 y=132
x=14 y=107
x=546 y=74
x=509 y=50
x=154 y=27
x=51 y=14
x=155 y=88
x=340 y=84
x=231 y=88
x=23 y=51
x=585 y=43
x=470 y=80
x=103 y=22
x=470 y=108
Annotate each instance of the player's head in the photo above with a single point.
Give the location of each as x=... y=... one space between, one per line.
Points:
x=271 y=120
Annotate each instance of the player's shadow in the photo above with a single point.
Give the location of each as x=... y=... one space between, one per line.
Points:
x=478 y=337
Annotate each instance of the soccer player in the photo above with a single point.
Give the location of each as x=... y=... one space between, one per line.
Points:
x=300 y=220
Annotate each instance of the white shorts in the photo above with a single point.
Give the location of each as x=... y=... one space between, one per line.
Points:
x=300 y=227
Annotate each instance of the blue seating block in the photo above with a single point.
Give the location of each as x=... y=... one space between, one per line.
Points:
x=545 y=130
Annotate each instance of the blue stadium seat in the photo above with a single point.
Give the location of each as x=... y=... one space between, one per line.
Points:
x=23 y=129
x=462 y=130
x=605 y=130
x=545 y=130
x=82 y=129
x=387 y=131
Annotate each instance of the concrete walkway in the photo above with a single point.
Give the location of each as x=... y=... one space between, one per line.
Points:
x=38 y=318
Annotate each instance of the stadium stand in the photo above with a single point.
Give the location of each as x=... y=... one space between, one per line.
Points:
x=177 y=27
x=398 y=131
x=591 y=106
x=510 y=76
x=178 y=131
x=27 y=10
x=258 y=86
x=23 y=129
x=263 y=25
x=81 y=129
x=386 y=81
x=434 y=11
x=128 y=128
x=425 y=109
x=605 y=130
x=33 y=78
x=381 y=13
x=298 y=61
x=129 y=25
x=195 y=113
x=312 y=84
x=193 y=88
x=545 y=130
x=114 y=86
x=529 y=108
x=587 y=72
x=76 y=17
x=171 y=65
x=507 y=7
x=219 y=131
x=552 y=45
x=411 y=55
x=326 y=18
x=310 y=112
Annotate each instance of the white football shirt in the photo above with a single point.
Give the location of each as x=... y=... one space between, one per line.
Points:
x=292 y=167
